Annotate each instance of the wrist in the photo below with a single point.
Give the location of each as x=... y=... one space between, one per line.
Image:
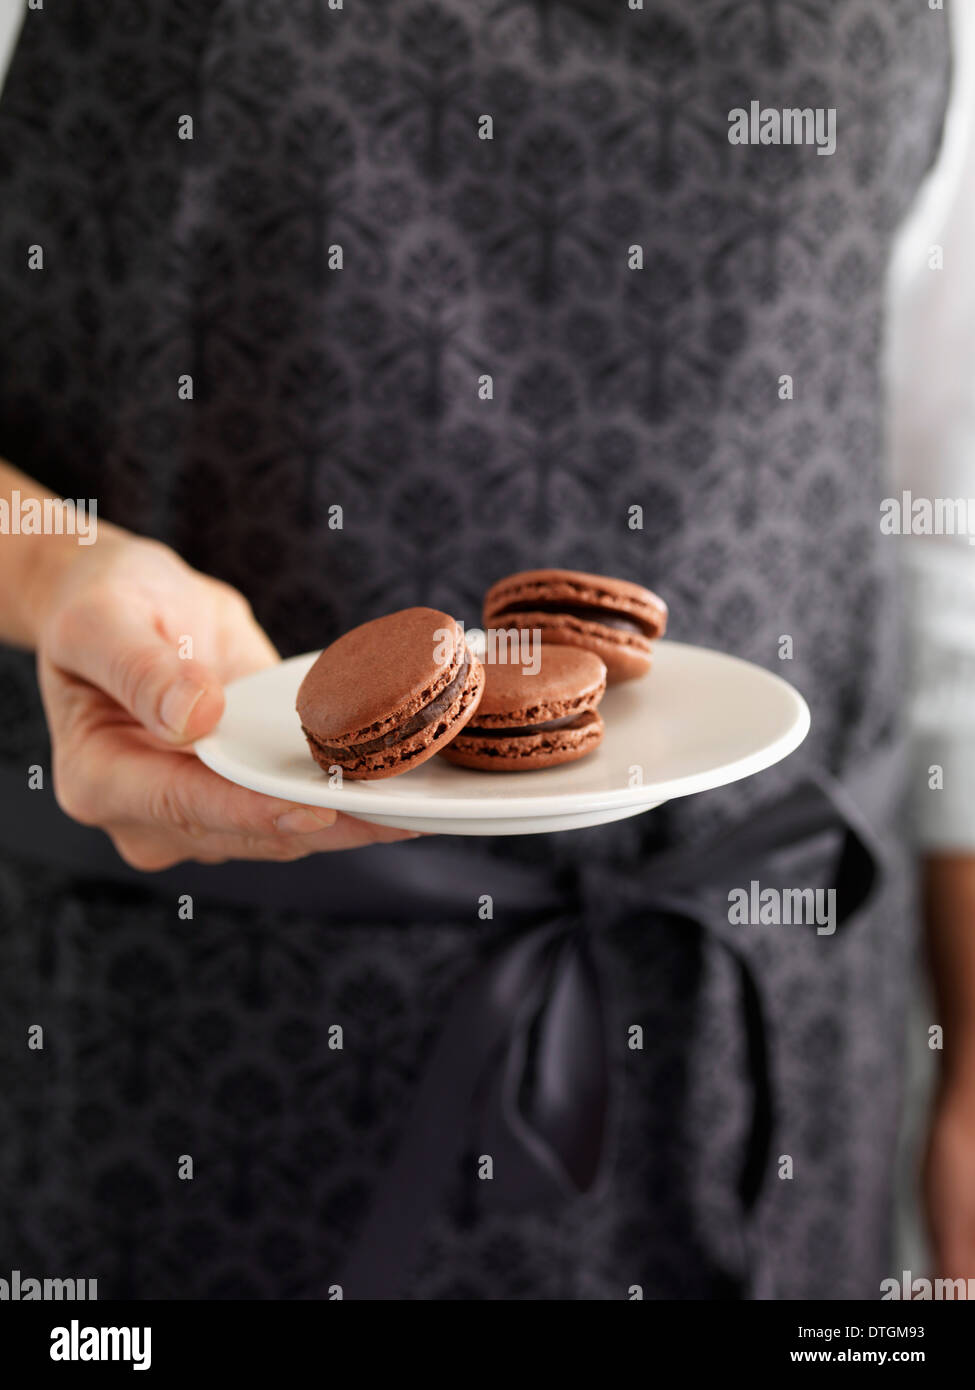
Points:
x=47 y=565
x=34 y=557
x=45 y=561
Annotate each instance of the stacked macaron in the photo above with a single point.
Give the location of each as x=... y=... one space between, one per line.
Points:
x=611 y=617
x=391 y=693
x=529 y=720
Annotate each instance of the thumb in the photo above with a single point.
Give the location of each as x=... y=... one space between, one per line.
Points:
x=123 y=654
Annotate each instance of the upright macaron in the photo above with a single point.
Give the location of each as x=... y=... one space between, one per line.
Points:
x=531 y=720
x=389 y=694
x=613 y=618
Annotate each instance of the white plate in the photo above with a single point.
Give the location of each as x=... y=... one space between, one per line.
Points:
x=698 y=720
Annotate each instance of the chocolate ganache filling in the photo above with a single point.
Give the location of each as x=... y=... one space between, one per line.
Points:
x=568 y=721
x=588 y=612
x=430 y=712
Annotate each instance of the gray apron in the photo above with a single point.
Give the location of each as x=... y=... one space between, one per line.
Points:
x=315 y=387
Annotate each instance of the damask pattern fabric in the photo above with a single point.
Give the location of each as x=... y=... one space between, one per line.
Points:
x=316 y=387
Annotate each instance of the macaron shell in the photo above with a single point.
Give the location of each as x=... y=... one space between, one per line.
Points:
x=527 y=752
x=418 y=747
x=626 y=655
x=378 y=674
x=567 y=681
x=577 y=587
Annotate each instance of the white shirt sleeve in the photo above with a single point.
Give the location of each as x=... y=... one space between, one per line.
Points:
x=11 y=17
x=931 y=362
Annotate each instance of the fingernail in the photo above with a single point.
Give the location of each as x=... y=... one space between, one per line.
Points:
x=303 y=820
x=178 y=704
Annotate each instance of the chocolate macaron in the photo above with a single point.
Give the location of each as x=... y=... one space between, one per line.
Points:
x=527 y=721
x=613 y=618
x=389 y=694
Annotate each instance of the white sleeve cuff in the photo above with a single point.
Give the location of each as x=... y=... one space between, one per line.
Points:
x=942 y=698
x=943 y=797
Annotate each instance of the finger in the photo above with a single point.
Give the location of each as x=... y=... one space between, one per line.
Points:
x=111 y=775
x=244 y=646
x=152 y=787
x=165 y=789
x=350 y=833
x=151 y=852
x=119 y=649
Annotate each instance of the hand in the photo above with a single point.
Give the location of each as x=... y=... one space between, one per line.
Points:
x=949 y=1180
x=123 y=706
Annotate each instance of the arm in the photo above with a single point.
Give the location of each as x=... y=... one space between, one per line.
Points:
x=124 y=699
x=949 y=902
x=933 y=437
x=29 y=563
